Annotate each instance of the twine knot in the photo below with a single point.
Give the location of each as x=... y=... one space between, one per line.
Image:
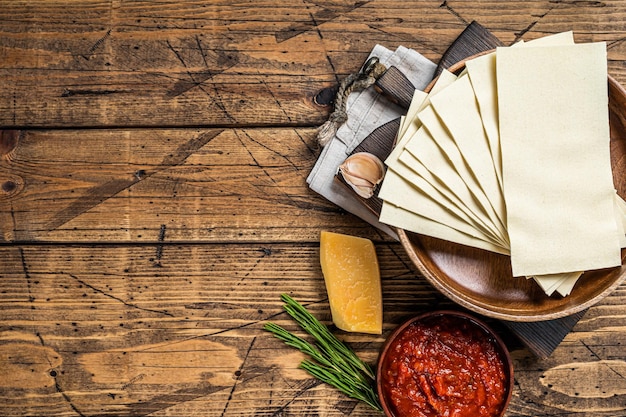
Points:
x=367 y=75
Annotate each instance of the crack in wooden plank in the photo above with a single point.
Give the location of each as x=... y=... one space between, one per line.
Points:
x=100 y=193
x=165 y=401
x=159 y=247
x=183 y=86
x=238 y=374
x=403 y=38
x=12 y=235
x=14 y=108
x=276 y=100
x=251 y=154
x=591 y=351
x=181 y=396
x=532 y=24
x=613 y=370
x=95 y=46
x=91 y=92
x=280 y=410
x=616 y=42
x=283 y=197
x=67 y=398
x=317 y=19
x=265 y=252
x=313 y=152
x=54 y=375
x=197 y=78
x=449 y=8
x=127 y=304
x=26 y=272
x=580 y=3
x=277 y=153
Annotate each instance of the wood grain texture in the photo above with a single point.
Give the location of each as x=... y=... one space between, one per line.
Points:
x=237 y=64
x=140 y=329
x=153 y=204
x=150 y=185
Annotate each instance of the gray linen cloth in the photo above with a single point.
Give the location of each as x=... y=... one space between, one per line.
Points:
x=366 y=110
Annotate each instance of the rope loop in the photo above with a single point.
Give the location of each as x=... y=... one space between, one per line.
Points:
x=367 y=76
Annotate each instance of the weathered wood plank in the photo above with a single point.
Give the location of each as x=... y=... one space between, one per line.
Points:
x=93 y=63
x=131 y=330
x=156 y=185
x=139 y=258
x=134 y=329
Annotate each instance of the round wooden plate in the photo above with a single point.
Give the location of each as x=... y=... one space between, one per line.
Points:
x=482 y=281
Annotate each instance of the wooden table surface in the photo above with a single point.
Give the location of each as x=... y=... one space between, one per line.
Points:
x=153 y=204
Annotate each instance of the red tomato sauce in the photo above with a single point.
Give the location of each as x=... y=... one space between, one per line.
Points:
x=444 y=366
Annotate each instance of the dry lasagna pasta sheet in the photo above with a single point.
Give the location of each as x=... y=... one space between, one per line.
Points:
x=512 y=156
x=556 y=169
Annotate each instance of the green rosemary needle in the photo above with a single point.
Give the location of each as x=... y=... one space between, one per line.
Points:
x=332 y=361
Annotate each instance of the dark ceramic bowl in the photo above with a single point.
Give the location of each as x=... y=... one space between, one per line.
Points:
x=444 y=360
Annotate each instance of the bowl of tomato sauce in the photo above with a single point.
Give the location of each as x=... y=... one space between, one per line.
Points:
x=444 y=363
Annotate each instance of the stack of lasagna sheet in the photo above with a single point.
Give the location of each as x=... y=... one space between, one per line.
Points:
x=512 y=156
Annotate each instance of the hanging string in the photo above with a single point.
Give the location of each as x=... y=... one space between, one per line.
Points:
x=367 y=75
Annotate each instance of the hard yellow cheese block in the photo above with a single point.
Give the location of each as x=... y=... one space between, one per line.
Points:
x=352 y=278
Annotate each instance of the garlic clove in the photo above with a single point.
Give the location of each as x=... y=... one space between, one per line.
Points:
x=363 y=171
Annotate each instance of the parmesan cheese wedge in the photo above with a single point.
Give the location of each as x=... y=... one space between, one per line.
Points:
x=352 y=277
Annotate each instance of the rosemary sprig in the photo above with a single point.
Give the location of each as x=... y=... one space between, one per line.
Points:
x=332 y=361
